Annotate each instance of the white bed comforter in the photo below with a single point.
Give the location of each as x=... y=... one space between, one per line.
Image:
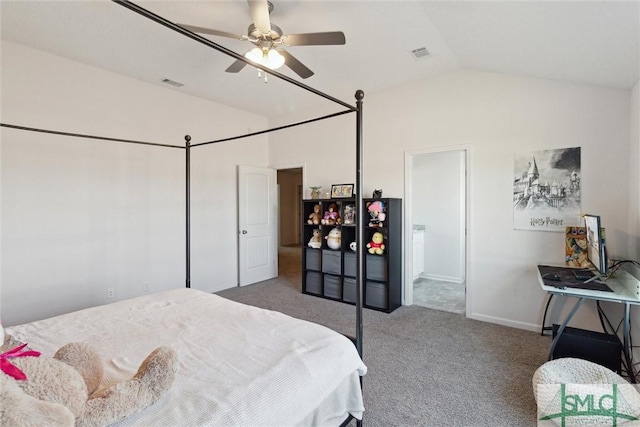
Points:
x=239 y=365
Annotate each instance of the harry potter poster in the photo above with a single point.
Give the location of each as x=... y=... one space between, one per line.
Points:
x=546 y=189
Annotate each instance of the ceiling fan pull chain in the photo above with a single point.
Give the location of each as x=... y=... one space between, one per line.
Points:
x=260 y=75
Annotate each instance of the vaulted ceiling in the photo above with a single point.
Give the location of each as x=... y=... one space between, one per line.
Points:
x=584 y=42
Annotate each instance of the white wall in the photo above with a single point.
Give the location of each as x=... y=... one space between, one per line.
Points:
x=436 y=205
x=80 y=216
x=496 y=116
x=327 y=146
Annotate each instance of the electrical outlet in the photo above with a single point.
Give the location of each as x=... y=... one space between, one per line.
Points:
x=110 y=293
x=145 y=287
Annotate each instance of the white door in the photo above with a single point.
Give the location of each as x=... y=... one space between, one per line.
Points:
x=257 y=241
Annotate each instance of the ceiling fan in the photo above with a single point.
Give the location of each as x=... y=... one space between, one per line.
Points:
x=269 y=40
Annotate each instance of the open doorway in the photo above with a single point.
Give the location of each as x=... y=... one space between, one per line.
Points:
x=289 y=223
x=436 y=229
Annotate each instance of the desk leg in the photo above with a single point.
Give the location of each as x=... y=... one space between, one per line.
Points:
x=626 y=342
x=564 y=325
x=544 y=316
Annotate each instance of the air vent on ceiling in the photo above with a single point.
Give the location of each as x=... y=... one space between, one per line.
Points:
x=420 y=53
x=172 y=82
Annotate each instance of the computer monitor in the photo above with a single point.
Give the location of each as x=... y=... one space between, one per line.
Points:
x=595 y=243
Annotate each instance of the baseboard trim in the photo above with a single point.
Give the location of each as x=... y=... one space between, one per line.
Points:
x=504 y=322
x=458 y=280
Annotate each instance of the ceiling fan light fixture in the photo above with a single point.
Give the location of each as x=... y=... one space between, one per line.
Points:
x=275 y=59
x=269 y=58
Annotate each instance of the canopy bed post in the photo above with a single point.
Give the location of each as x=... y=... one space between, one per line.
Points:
x=360 y=229
x=187 y=146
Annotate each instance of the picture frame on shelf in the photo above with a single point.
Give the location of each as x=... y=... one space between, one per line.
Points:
x=341 y=191
x=349 y=214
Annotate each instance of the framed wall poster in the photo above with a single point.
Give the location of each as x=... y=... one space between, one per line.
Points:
x=341 y=191
x=546 y=190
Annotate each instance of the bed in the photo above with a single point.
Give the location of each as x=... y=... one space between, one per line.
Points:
x=239 y=365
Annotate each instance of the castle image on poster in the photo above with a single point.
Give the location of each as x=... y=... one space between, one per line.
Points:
x=546 y=190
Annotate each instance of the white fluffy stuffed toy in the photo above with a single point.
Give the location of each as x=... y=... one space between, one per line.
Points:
x=36 y=390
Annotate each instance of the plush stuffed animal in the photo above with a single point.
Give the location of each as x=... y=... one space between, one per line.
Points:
x=36 y=390
x=331 y=216
x=334 y=238
x=376 y=212
x=316 y=239
x=315 y=217
x=376 y=246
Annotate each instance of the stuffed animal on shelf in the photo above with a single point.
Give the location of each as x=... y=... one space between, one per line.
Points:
x=315 y=192
x=316 y=239
x=315 y=216
x=331 y=216
x=61 y=390
x=376 y=214
x=334 y=238
x=376 y=245
x=349 y=216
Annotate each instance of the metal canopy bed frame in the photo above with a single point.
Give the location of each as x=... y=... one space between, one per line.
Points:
x=188 y=145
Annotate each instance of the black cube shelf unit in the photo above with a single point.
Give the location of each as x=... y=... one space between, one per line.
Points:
x=329 y=268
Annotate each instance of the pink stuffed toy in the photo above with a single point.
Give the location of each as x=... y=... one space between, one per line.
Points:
x=376 y=213
x=331 y=216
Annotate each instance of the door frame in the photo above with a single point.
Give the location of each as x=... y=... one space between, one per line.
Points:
x=407 y=294
x=296 y=165
x=278 y=208
x=302 y=165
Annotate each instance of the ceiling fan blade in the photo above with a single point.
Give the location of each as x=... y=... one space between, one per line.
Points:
x=298 y=67
x=212 y=32
x=236 y=66
x=260 y=15
x=326 y=38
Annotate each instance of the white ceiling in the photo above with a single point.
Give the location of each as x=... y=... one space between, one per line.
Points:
x=585 y=42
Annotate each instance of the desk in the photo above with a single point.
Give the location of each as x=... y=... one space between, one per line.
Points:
x=625 y=291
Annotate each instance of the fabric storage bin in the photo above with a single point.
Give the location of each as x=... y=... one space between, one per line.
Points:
x=376 y=295
x=349 y=289
x=350 y=264
x=331 y=261
x=313 y=283
x=314 y=259
x=376 y=267
x=332 y=286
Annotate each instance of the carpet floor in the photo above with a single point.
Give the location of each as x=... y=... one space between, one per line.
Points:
x=426 y=367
